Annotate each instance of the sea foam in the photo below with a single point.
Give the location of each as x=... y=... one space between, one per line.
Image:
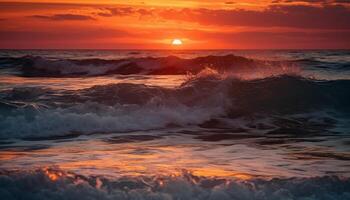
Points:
x=56 y=184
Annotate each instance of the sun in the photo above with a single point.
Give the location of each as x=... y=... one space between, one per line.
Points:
x=176 y=42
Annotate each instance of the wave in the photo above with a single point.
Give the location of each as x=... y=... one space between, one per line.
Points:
x=171 y=65
x=109 y=108
x=131 y=107
x=57 y=184
x=319 y=63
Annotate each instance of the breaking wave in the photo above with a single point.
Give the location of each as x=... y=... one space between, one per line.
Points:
x=28 y=112
x=56 y=184
x=31 y=66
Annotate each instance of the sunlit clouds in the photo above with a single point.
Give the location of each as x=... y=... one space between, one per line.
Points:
x=150 y=25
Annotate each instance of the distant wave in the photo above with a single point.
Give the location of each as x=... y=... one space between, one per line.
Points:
x=40 y=67
x=322 y=63
x=31 y=112
x=56 y=184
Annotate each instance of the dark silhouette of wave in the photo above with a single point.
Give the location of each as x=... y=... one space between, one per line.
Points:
x=40 y=67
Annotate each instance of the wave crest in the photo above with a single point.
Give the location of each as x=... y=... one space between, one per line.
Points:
x=171 y=65
x=131 y=107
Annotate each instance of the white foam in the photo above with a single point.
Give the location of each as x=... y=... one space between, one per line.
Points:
x=92 y=117
x=50 y=184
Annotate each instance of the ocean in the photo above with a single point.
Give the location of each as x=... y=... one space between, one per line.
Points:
x=175 y=124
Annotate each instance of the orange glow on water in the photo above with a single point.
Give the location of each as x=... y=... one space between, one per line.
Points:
x=119 y=160
x=116 y=160
x=168 y=81
x=52 y=174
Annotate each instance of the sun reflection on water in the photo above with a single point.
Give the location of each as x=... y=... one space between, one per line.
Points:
x=102 y=155
x=53 y=175
x=120 y=160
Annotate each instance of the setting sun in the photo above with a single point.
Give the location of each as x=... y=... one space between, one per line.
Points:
x=176 y=42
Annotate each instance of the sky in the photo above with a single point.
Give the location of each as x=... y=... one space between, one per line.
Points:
x=153 y=24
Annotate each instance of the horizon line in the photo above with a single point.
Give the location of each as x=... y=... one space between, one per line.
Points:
x=131 y=49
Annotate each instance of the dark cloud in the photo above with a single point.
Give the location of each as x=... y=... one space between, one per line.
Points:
x=342 y=1
x=68 y=34
x=324 y=16
x=302 y=1
x=70 y=37
x=294 y=16
x=35 y=6
x=124 y=11
x=61 y=17
x=116 y=11
x=313 y=1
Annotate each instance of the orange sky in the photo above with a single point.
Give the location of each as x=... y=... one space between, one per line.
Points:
x=201 y=24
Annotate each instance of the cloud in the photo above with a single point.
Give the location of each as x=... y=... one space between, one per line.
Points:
x=70 y=33
x=125 y=11
x=313 y=1
x=342 y=1
x=69 y=37
x=305 y=16
x=116 y=11
x=275 y=15
x=62 y=17
x=294 y=16
x=325 y=25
